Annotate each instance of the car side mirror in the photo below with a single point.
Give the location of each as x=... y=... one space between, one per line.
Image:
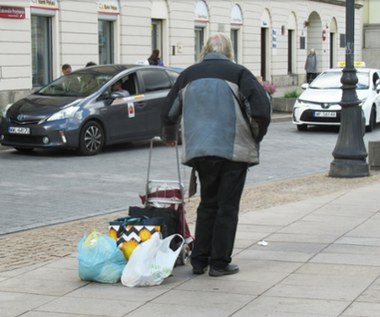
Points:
x=377 y=85
x=305 y=86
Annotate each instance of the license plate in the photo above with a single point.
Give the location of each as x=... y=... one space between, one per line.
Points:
x=19 y=130
x=325 y=114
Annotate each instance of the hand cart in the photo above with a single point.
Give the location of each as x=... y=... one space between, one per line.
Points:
x=169 y=193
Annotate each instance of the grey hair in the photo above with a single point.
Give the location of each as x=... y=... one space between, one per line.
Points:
x=220 y=43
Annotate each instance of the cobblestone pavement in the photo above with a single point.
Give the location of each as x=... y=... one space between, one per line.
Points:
x=46 y=243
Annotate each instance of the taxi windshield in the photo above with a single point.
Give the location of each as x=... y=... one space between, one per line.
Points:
x=332 y=80
x=75 y=84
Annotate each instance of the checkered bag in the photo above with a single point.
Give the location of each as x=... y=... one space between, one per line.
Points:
x=129 y=232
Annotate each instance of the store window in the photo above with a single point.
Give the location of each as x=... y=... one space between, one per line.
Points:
x=106 y=42
x=201 y=21
x=42 y=72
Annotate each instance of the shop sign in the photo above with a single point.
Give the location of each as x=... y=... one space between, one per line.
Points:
x=12 y=12
x=45 y=4
x=110 y=7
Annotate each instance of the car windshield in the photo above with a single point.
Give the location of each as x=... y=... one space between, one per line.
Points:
x=331 y=80
x=76 y=84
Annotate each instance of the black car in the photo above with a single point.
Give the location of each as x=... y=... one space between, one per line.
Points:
x=81 y=111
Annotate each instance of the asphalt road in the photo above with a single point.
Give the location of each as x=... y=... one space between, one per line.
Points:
x=53 y=187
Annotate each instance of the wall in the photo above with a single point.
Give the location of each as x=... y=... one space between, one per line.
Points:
x=76 y=36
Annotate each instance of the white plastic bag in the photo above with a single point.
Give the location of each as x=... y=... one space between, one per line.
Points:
x=152 y=261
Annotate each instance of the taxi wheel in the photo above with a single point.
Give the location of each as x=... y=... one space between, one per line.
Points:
x=91 y=139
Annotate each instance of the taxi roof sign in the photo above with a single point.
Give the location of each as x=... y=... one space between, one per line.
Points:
x=356 y=64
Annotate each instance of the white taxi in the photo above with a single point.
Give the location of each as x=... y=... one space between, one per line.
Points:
x=319 y=103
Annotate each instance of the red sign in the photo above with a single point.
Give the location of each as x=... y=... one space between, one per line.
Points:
x=12 y=12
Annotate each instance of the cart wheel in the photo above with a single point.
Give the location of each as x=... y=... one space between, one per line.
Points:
x=184 y=255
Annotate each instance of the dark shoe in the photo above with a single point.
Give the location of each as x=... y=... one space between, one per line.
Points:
x=228 y=270
x=198 y=270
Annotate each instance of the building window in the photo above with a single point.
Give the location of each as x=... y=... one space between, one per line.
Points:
x=236 y=23
x=235 y=43
x=290 y=51
x=42 y=72
x=199 y=42
x=156 y=34
x=106 y=42
x=201 y=20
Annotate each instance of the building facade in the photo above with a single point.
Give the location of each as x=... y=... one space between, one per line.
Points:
x=270 y=37
x=371 y=32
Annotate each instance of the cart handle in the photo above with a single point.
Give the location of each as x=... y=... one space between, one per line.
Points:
x=158 y=139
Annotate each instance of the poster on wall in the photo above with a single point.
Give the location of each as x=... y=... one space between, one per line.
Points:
x=45 y=4
x=108 y=6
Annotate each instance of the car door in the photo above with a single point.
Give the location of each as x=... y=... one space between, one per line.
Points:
x=156 y=84
x=123 y=115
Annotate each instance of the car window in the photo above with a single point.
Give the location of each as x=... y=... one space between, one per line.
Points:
x=76 y=84
x=129 y=84
x=173 y=75
x=155 y=79
x=332 y=80
x=363 y=80
x=327 y=80
x=375 y=78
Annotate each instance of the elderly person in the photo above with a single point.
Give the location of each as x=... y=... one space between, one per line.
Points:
x=218 y=144
x=311 y=66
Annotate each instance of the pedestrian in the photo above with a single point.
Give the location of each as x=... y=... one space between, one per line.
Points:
x=218 y=144
x=66 y=69
x=90 y=64
x=154 y=58
x=311 y=66
x=70 y=84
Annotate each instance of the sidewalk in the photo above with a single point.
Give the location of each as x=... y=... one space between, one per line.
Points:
x=322 y=259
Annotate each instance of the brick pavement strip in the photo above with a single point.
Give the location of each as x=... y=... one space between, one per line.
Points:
x=39 y=245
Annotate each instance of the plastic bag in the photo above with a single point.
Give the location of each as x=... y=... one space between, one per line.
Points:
x=152 y=261
x=99 y=259
x=131 y=231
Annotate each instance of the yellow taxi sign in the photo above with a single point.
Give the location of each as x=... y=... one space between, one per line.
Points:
x=356 y=64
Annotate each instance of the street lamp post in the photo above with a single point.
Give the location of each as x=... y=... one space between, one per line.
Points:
x=350 y=153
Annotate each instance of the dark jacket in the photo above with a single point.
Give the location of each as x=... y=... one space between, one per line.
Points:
x=213 y=123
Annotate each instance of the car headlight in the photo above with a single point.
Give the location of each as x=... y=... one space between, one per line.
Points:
x=66 y=113
x=300 y=103
x=4 y=111
x=362 y=102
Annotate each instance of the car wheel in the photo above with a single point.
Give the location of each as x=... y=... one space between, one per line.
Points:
x=372 y=120
x=91 y=139
x=302 y=127
x=24 y=150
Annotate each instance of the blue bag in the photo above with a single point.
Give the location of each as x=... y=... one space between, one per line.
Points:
x=99 y=259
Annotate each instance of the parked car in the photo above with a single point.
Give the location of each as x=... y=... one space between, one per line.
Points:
x=80 y=111
x=319 y=102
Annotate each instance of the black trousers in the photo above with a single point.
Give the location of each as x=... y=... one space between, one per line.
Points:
x=310 y=77
x=222 y=182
